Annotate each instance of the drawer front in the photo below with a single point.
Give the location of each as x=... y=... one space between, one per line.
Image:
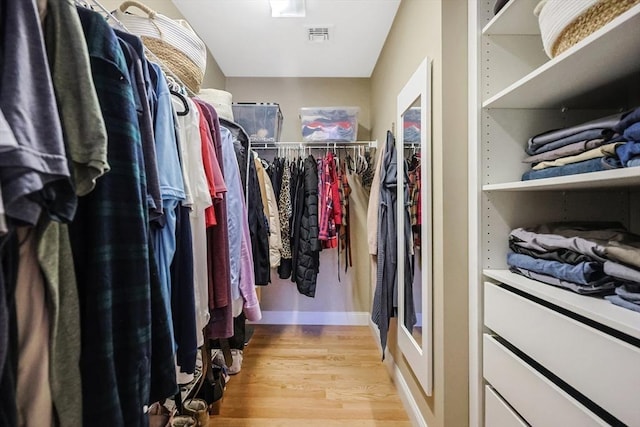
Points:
x=601 y=367
x=539 y=401
x=498 y=413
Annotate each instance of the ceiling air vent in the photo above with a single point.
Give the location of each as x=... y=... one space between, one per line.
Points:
x=318 y=34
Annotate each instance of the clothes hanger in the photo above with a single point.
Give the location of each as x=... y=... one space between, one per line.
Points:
x=83 y=3
x=183 y=100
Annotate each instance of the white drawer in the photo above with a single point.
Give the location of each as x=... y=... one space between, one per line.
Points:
x=603 y=368
x=539 y=401
x=498 y=413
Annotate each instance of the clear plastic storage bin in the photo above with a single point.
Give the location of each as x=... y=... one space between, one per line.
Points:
x=261 y=121
x=334 y=124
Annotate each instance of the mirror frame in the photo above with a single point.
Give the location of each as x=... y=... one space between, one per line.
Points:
x=419 y=357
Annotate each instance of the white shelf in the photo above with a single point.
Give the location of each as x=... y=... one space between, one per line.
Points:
x=623 y=177
x=597 y=309
x=516 y=17
x=606 y=55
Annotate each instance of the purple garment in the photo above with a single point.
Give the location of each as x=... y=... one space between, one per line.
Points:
x=34 y=173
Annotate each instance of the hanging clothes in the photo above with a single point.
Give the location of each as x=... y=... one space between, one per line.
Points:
x=415 y=197
x=285 y=214
x=111 y=336
x=330 y=211
x=242 y=275
x=145 y=99
x=385 y=301
x=385 y=294
x=258 y=226
x=85 y=139
x=221 y=322
x=193 y=164
x=344 y=234
x=307 y=247
x=270 y=210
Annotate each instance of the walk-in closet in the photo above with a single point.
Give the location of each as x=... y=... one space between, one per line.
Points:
x=261 y=213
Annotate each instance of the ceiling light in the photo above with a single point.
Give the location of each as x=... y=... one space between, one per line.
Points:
x=287 y=8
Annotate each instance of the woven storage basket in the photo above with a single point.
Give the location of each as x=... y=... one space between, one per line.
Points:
x=220 y=100
x=173 y=41
x=563 y=23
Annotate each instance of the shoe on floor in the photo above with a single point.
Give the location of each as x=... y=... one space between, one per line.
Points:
x=237 y=361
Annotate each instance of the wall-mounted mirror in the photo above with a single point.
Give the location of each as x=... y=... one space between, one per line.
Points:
x=415 y=275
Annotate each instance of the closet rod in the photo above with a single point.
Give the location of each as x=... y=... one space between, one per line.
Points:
x=307 y=145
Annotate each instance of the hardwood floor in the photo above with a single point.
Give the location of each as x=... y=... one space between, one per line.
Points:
x=311 y=376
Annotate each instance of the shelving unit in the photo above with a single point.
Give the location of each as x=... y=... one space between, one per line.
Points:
x=557 y=80
x=594 y=180
x=549 y=336
x=594 y=308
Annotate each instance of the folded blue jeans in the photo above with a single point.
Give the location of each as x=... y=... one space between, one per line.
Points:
x=584 y=273
x=604 y=288
x=592 y=165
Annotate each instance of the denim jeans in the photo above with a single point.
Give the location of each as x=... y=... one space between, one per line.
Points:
x=584 y=273
x=593 y=165
x=631 y=149
x=627 y=119
x=604 y=287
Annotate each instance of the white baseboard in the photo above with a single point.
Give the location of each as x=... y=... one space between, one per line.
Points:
x=347 y=318
x=408 y=401
x=410 y=404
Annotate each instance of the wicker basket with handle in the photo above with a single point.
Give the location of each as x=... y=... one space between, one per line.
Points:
x=564 y=23
x=173 y=41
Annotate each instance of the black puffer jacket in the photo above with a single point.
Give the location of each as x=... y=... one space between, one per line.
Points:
x=258 y=228
x=307 y=245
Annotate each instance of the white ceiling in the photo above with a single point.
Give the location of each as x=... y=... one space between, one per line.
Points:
x=247 y=42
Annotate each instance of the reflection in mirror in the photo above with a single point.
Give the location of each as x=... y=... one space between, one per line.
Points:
x=411 y=140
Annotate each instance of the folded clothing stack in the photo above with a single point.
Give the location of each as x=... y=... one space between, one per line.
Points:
x=607 y=143
x=586 y=258
x=338 y=124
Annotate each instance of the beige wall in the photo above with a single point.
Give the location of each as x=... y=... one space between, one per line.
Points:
x=293 y=93
x=213 y=78
x=352 y=293
x=437 y=29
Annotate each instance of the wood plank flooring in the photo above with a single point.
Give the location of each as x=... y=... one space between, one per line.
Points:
x=311 y=376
